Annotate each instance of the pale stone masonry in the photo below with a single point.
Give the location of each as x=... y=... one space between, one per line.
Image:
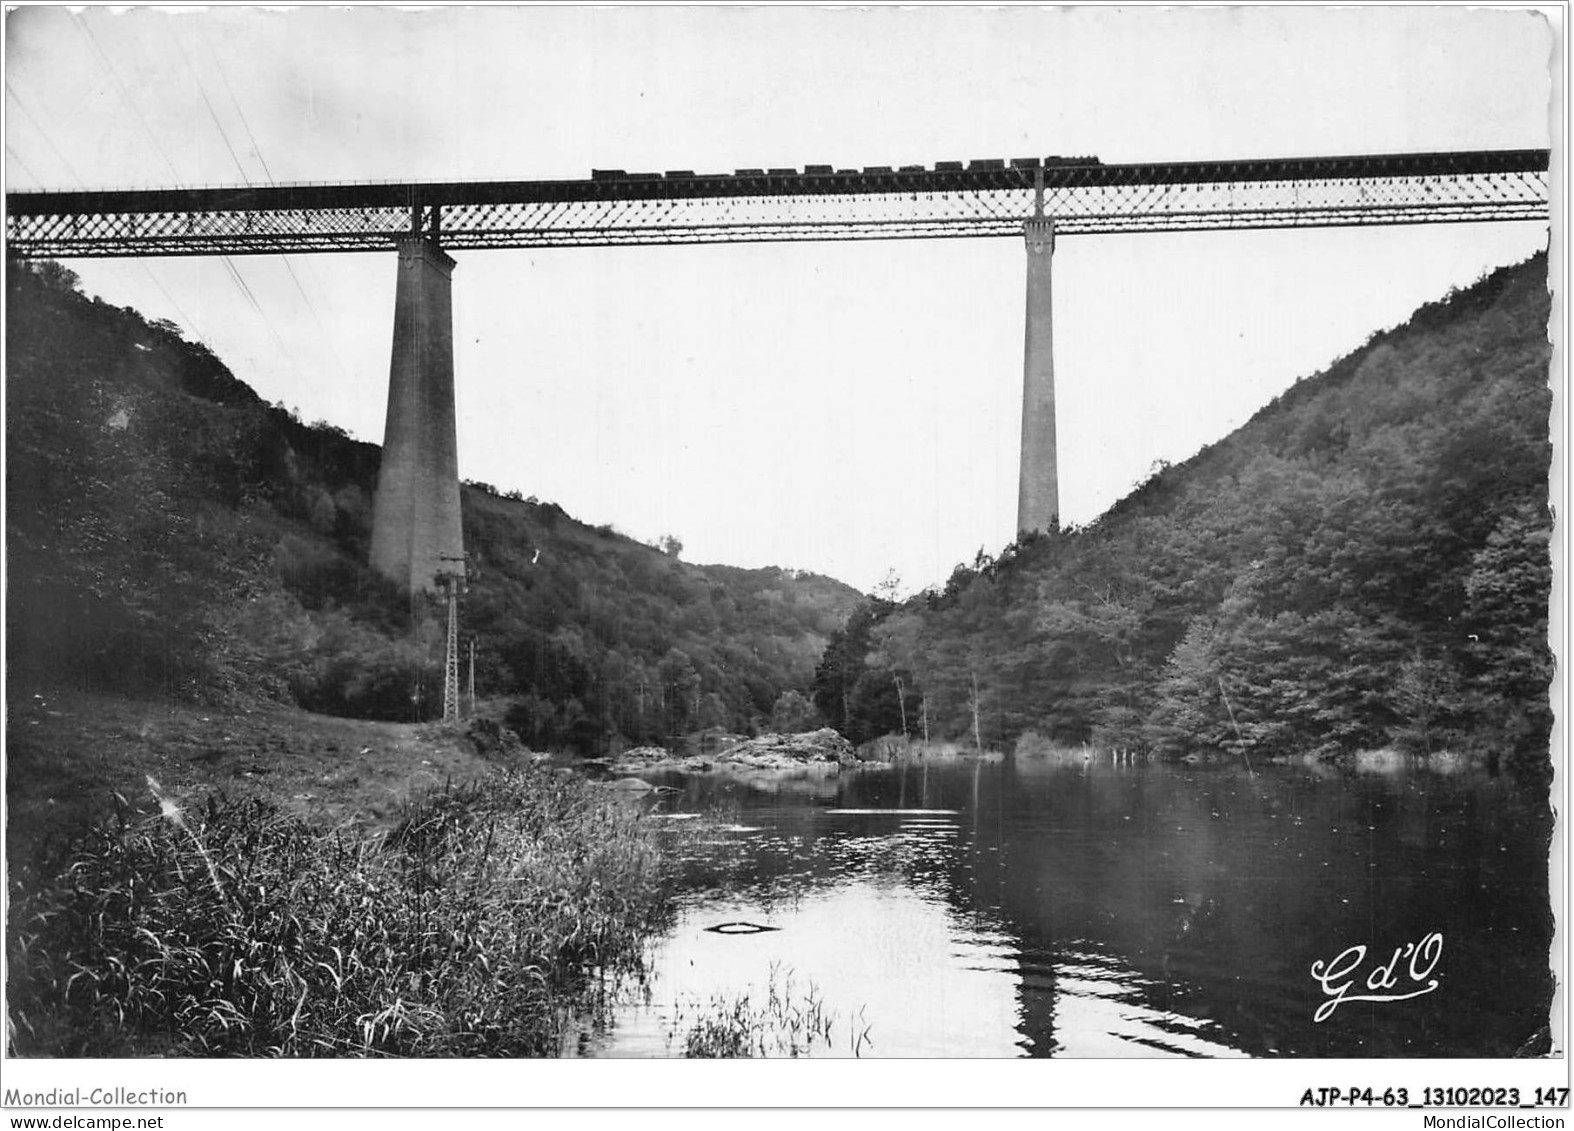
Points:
x=416 y=530
x=1038 y=489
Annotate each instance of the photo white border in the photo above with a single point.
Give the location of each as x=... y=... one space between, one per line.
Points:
x=357 y=1093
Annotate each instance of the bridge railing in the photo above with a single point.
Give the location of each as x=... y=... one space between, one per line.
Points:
x=981 y=199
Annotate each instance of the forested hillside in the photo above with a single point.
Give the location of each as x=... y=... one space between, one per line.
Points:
x=169 y=533
x=1363 y=564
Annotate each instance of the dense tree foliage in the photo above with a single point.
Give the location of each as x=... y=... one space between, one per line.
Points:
x=170 y=533
x=1365 y=562
x=855 y=691
x=602 y=638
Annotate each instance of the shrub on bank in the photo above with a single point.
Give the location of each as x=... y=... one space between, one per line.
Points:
x=901 y=748
x=474 y=928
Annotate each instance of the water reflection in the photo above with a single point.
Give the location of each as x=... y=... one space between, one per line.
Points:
x=886 y=937
x=1113 y=910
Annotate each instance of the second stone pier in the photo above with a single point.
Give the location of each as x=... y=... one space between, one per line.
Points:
x=1038 y=487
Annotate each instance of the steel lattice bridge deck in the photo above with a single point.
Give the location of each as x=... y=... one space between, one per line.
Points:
x=952 y=199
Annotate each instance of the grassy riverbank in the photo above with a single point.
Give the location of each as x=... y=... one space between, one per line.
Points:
x=281 y=884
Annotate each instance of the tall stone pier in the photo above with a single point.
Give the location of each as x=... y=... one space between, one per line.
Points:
x=416 y=531
x=1038 y=488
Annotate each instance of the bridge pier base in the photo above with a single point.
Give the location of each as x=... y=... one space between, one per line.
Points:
x=416 y=529
x=1038 y=485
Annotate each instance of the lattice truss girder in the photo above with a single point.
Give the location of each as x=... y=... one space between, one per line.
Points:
x=1076 y=210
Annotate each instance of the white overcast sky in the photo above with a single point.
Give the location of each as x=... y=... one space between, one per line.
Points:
x=847 y=408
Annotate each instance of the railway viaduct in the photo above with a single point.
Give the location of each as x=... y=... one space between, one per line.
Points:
x=416 y=525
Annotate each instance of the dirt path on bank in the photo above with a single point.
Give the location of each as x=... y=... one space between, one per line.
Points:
x=68 y=753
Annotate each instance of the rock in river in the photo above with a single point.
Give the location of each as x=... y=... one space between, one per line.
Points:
x=767 y=752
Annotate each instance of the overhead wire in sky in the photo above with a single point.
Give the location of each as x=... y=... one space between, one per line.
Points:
x=212 y=113
x=311 y=307
x=125 y=95
x=229 y=265
x=43 y=133
x=245 y=289
x=230 y=90
x=185 y=319
x=17 y=157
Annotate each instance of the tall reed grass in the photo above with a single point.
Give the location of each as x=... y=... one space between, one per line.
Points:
x=473 y=928
x=787 y=1023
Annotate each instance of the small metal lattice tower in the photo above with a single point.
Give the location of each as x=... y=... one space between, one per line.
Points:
x=452 y=581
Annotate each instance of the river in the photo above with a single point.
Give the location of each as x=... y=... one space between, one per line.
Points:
x=1103 y=909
